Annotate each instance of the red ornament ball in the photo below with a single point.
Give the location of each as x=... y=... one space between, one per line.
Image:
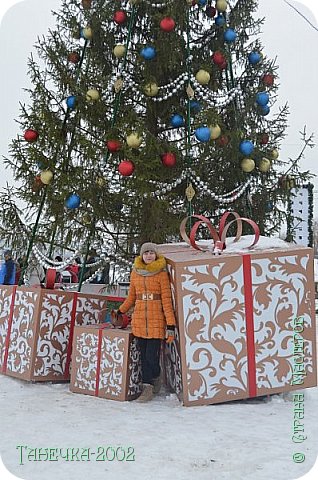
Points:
x=73 y=57
x=264 y=139
x=223 y=65
x=120 y=17
x=126 y=168
x=210 y=12
x=218 y=58
x=222 y=141
x=31 y=135
x=113 y=145
x=169 y=159
x=268 y=79
x=167 y=24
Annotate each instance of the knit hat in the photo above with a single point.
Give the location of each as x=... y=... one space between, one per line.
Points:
x=7 y=253
x=147 y=247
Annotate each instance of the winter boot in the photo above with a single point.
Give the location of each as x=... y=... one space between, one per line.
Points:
x=146 y=394
x=156 y=385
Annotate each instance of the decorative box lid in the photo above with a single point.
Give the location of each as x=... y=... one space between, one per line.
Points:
x=181 y=252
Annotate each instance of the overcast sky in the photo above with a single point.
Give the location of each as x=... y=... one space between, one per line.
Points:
x=286 y=36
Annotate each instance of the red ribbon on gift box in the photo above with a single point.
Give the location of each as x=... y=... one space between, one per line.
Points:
x=218 y=245
x=218 y=236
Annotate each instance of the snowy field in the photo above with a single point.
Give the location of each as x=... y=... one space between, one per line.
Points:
x=240 y=440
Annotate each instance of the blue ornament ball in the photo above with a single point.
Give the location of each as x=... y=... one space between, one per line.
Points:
x=246 y=147
x=177 y=120
x=148 y=53
x=70 y=101
x=254 y=58
x=230 y=35
x=262 y=98
x=202 y=2
x=195 y=106
x=73 y=201
x=203 y=134
x=269 y=206
x=220 y=20
x=264 y=110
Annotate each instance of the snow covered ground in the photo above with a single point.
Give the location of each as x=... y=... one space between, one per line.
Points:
x=232 y=441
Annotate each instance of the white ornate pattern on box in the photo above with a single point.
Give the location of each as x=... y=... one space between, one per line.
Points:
x=235 y=317
x=105 y=363
x=40 y=324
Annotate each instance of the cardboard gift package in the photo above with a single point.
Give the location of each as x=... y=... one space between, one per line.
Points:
x=246 y=321
x=105 y=363
x=36 y=329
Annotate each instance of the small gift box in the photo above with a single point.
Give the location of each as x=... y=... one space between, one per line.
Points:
x=243 y=316
x=36 y=329
x=105 y=363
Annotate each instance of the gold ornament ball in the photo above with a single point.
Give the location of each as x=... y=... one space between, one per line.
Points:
x=274 y=154
x=100 y=181
x=264 y=165
x=119 y=51
x=86 y=4
x=86 y=219
x=92 y=95
x=203 y=77
x=221 y=5
x=46 y=177
x=247 y=165
x=215 y=131
x=133 y=140
x=151 y=89
x=87 y=33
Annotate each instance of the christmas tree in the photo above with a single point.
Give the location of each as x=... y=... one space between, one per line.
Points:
x=143 y=112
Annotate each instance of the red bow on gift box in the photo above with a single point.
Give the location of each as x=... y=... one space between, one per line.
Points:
x=218 y=236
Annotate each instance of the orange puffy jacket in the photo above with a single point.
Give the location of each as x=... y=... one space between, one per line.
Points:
x=150 y=293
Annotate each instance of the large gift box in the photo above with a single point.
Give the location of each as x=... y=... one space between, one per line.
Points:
x=246 y=320
x=36 y=329
x=105 y=363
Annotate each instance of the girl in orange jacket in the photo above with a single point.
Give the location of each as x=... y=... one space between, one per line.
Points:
x=153 y=318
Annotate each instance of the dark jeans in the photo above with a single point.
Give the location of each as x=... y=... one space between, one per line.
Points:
x=150 y=354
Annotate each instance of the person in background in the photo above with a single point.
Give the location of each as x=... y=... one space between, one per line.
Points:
x=9 y=268
x=19 y=266
x=58 y=277
x=74 y=269
x=153 y=318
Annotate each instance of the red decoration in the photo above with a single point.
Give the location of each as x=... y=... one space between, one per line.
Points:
x=218 y=58
x=222 y=141
x=31 y=135
x=268 y=79
x=169 y=159
x=264 y=139
x=37 y=183
x=113 y=145
x=223 y=65
x=126 y=168
x=73 y=57
x=210 y=12
x=167 y=24
x=120 y=17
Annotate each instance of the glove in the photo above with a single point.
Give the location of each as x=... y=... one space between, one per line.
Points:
x=116 y=318
x=170 y=333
